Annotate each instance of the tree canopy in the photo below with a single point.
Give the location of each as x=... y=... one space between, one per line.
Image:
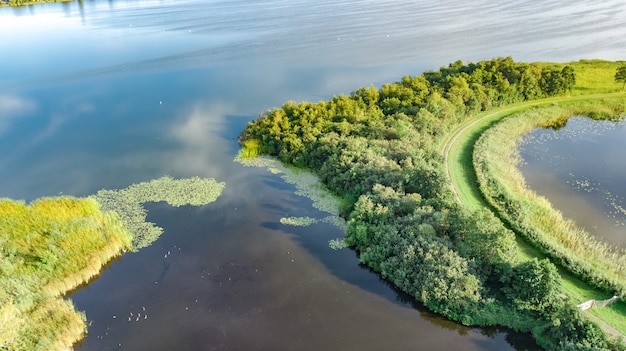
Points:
x=620 y=76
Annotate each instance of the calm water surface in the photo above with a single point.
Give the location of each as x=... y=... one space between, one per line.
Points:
x=580 y=168
x=104 y=94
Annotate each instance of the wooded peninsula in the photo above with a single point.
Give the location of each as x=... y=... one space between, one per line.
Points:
x=489 y=259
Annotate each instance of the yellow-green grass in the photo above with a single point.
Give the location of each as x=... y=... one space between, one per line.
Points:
x=46 y=249
x=596 y=76
x=17 y=3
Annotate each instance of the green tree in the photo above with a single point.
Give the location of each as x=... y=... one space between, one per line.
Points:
x=620 y=75
x=533 y=285
x=569 y=78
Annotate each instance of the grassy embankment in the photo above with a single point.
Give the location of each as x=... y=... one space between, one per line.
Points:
x=594 y=83
x=53 y=245
x=17 y=3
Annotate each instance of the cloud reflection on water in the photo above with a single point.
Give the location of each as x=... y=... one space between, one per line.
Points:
x=11 y=107
x=200 y=134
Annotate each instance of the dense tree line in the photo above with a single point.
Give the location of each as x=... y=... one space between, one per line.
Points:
x=376 y=148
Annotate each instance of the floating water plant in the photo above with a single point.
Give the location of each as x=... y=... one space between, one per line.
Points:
x=128 y=203
x=298 y=221
x=307 y=185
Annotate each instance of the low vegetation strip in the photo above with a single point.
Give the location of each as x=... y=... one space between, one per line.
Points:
x=16 y=3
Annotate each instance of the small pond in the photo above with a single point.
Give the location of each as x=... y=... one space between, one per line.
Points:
x=580 y=168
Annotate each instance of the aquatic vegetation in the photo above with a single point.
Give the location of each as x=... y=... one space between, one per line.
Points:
x=298 y=221
x=337 y=244
x=128 y=203
x=307 y=184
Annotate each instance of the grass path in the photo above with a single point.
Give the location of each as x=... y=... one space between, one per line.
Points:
x=457 y=147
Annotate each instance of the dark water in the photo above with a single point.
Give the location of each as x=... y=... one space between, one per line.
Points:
x=104 y=94
x=581 y=170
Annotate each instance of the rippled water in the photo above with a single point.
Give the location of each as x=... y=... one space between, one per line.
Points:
x=98 y=94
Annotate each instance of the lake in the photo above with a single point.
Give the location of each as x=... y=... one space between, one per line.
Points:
x=97 y=94
x=580 y=169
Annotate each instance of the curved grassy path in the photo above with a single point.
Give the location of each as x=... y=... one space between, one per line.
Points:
x=457 y=147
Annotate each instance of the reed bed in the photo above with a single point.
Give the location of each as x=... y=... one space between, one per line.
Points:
x=49 y=247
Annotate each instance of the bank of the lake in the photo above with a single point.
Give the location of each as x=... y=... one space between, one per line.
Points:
x=14 y=3
x=48 y=248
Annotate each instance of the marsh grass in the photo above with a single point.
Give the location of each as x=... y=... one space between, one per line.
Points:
x=47 y=248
